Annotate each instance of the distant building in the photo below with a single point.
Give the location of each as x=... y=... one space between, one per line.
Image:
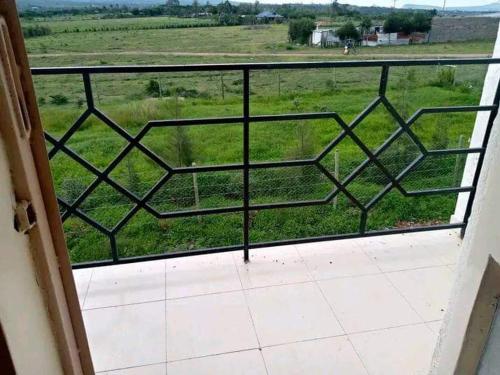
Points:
x=377 y=37
x=324 y=38
x=268 y=16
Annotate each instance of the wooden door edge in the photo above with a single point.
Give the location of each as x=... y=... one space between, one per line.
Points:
x=33 y=182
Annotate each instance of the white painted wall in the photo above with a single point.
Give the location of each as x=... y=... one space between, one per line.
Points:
x=482 y=240
x=23 y=314
x=329 y=35
x=489 y=88
x=389 y=38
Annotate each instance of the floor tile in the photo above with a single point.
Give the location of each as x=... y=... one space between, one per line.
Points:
x=82 y=279
x=427 y=290
x=248 y=362
x=367 y=302
x=332 y=260
x=126 y=336
x=325 y=356
x=158 y=369
x=210 y=324
x=289 y=313
x=402 y=252
x=272 y=266
x=204 y=274
x=404 y=350
x=126 y=283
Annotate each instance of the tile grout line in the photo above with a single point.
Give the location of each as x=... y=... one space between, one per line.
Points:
x=87 y=290
x=420 y=268
x=213 y=355
x=123 y=305
x=131 y=367
x=333 y=313
x=346 y=335
x=397 y=290
x=250 y=314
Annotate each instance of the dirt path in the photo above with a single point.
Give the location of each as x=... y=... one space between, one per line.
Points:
x=237 y=54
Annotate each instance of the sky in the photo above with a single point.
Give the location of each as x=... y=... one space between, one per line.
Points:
x=389 y=3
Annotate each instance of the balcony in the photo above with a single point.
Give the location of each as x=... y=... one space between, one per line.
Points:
x=357 y=306
x=356 y=296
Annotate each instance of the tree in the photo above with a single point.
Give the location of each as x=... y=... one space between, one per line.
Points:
x=408 y=22
x=422 y=22
x=196 y=8
x=300 y=30
x=366 y=24
x=348 y=31
x=153 y=88
x=181 y=146
x=256 y=7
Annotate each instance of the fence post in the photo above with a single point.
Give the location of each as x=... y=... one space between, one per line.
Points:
x=336 y=172
x=98 y=96
x=279 y=84
x=159 y=87
x=222 y=85
x=196 y=191
x=458 y=159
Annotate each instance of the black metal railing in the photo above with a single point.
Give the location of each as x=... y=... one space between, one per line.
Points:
x=338 y=185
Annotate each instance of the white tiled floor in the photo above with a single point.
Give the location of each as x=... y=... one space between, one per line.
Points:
x=366 y=306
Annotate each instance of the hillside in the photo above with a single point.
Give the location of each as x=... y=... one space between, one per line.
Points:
x=493 y=7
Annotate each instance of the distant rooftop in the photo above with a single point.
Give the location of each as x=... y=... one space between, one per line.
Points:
x=269 y=14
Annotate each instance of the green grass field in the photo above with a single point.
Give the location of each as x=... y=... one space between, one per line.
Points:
x=75 y=24
x=230 y=39
x=347 y=91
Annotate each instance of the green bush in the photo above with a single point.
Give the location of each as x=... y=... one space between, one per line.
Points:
x=59 y=99
x=300 y=30
x=37 y=30
x=348 y=31
x=445 y=77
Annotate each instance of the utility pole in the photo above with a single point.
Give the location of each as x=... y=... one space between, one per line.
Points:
x=444 y=5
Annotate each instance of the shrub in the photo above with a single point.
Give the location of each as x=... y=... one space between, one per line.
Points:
x=348 y=31
x=37 y=30
x=300 y=30
x=153 y=88
x=72 y=188
x=445 y=77
x=58 y=99
x=187 y=93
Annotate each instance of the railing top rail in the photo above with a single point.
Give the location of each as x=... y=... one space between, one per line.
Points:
x=257 y=66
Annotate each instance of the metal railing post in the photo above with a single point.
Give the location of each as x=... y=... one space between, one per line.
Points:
x=246 y=162
x=336 y=173
x=472 y=194
x=457 y=177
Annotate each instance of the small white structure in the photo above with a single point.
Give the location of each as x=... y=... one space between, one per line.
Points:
x=324 y=38
x=391 y=38
x=377 y=37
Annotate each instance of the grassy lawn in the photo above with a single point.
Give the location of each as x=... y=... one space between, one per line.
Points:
x=95 y=24
x=230 y=39
x=347 y=91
